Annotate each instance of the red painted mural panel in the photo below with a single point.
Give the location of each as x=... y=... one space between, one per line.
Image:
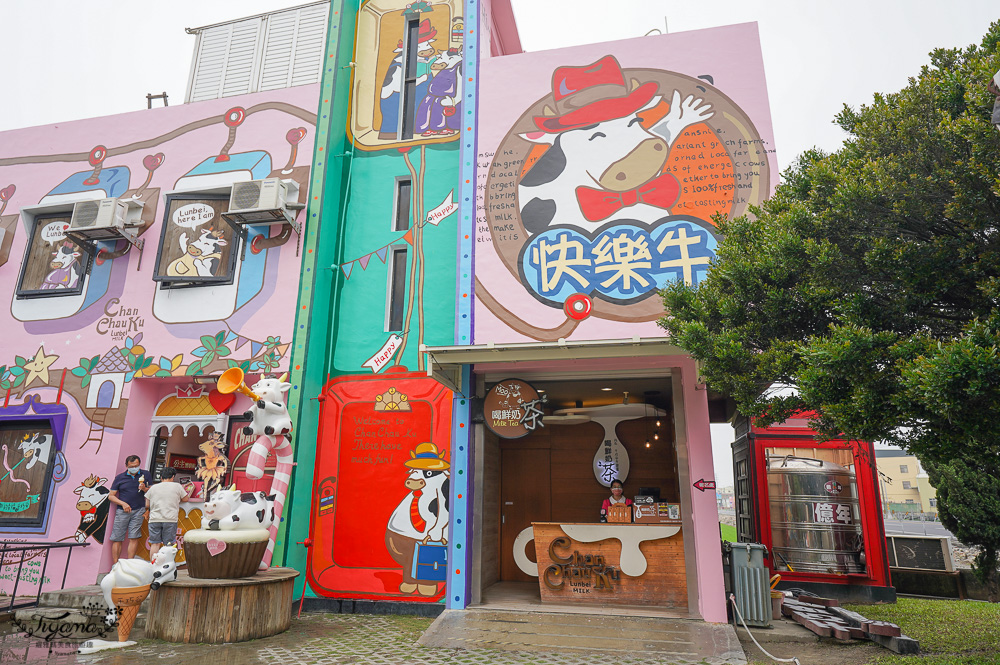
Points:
x=380 y=504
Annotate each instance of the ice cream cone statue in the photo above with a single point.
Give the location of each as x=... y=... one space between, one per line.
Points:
x=127 y=600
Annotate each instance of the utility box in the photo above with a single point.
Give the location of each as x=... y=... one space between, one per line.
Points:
x=750 y=583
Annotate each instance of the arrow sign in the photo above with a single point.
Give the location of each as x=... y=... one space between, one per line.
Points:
x=705 y=484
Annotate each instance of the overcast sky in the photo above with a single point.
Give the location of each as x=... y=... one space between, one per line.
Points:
x=65 y=60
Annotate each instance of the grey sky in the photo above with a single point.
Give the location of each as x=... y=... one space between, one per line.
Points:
x=66 y=60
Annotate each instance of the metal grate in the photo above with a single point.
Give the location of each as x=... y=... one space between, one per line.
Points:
x=85 y=213
x=246 y=195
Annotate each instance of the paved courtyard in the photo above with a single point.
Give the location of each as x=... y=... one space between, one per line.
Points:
x=333 y=639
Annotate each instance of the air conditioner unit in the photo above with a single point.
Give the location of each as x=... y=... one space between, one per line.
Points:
x=262 y=202
x=103 y=218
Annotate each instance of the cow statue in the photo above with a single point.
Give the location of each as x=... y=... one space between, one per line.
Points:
x=602 y=165
x=201 y=257
x=421 y=517
x=231 y=510
x=65 y=268
x=125 y=573
x=269 y=414
x=93 y=506
x=36 y=448
x=271 y=424
x=164 y=566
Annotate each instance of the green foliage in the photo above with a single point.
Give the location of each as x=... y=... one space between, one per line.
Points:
x=869 y=282
x=968 y=504
x=83 y=369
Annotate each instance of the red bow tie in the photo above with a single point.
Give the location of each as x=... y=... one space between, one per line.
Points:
x=92 y=511
x=597 y=204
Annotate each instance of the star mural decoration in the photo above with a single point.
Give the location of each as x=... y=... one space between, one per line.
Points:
x=38 y=367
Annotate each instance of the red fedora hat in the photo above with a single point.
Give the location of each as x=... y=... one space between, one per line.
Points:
x=426 y=31
x=588 y=95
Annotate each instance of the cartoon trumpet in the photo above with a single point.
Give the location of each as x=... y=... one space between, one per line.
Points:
x=232 y=380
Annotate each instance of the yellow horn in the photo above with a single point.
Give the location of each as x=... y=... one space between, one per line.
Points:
x=233 y=486
x=232 y=380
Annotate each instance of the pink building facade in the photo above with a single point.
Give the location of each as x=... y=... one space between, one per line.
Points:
x=106 y=333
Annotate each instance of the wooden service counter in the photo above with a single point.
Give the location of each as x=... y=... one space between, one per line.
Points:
x=611 y=564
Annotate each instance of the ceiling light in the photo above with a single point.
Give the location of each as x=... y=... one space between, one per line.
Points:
x=647 y=444
x=657 y=423
x=656 y=437
x=607 y=390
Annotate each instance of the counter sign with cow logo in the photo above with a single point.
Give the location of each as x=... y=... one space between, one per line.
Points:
x=605 y=187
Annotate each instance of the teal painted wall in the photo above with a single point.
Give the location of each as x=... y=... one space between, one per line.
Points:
x=341 y=311
x=361 y=311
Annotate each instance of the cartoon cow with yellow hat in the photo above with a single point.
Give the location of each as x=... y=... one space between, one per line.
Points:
x=417 y=533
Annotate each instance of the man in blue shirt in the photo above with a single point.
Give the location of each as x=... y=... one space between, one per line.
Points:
x=128 y=491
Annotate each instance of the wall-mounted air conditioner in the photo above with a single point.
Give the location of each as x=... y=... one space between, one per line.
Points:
x=102 y=219
x=268 y=201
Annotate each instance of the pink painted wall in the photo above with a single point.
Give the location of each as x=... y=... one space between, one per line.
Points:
x=720 y=67
x=249 y=322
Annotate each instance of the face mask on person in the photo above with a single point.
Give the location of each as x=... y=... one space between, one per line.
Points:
x=133 y=470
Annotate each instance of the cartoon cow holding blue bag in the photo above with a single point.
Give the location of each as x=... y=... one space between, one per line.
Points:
x=417 y=533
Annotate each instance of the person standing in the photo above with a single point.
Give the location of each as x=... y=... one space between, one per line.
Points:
x=616 y=503
x=163 y=501
x=128 y=492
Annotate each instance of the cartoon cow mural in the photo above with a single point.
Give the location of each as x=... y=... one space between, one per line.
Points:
x=36 y=448
x=65 y=266
x=602 y=164
x=202 y=256
x=93 y=506
x=231 y=509
x=420 y=518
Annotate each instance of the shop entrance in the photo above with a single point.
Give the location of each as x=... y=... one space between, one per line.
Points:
x=551 y=475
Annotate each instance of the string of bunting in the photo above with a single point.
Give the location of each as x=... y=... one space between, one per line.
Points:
x=447 y=207
x=255 y=346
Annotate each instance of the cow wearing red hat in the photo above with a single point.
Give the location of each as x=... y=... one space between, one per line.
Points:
x=603 y=165
x=392 y=83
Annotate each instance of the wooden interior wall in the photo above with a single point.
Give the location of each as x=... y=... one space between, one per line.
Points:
x=490 y=561
x=575 y=495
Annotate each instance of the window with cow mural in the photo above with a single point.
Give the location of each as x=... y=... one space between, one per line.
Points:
x=196 y=246
x=53 y=264
x=28 y=450
x=408 y=80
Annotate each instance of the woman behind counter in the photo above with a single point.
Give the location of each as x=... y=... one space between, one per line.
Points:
x=617 y=498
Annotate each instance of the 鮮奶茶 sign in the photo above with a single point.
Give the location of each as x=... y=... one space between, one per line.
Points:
x=512 y=409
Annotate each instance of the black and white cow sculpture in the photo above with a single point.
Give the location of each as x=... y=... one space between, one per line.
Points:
x=231 y=510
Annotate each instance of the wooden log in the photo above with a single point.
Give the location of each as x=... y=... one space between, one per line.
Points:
x=214 y=611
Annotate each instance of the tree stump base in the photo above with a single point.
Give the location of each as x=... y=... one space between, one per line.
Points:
x=214 y=611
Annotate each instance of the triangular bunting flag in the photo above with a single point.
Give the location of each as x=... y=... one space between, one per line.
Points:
x=364 y=261
x=281 y=349
x=255 y=348
x=230 y=336
x=347 y=268
x=409 y=236
x=382 y=253
x=240 y=341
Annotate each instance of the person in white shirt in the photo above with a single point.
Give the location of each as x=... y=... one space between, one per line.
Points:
x=163 y=501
